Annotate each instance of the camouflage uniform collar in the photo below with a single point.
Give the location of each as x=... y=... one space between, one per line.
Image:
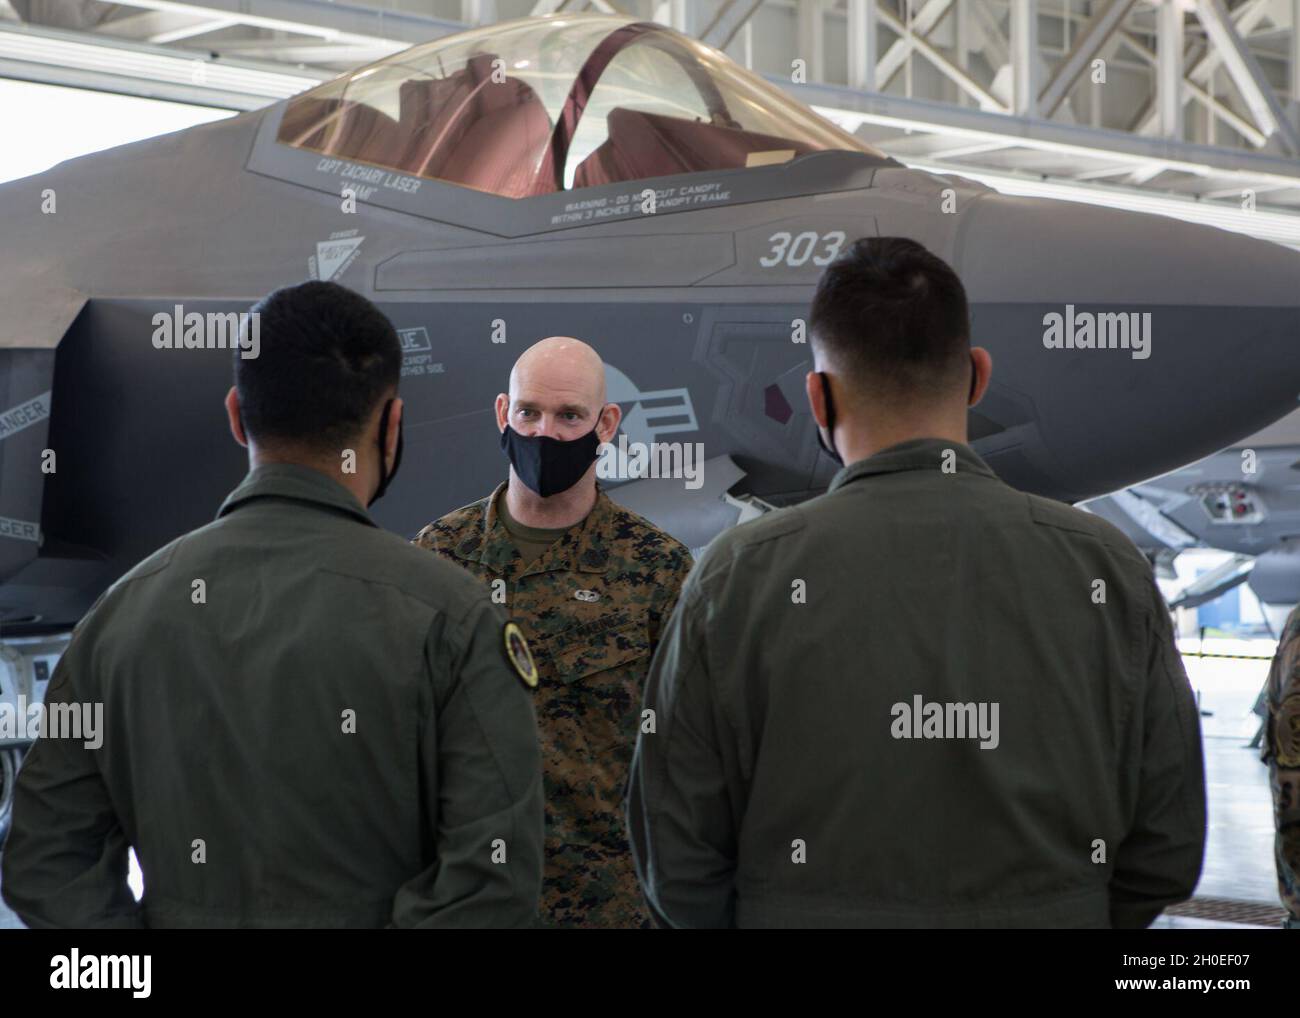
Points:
x=584 y=548
x=288 y=480
x=914 y=454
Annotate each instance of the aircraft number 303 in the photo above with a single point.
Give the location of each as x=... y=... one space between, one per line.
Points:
x=795 y=250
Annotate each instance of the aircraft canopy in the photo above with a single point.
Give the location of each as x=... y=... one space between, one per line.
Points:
x=542 y=105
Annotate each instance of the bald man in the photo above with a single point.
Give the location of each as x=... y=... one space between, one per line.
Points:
x=592 y=586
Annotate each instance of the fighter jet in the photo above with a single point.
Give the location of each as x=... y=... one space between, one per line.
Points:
x=1244 y=500
x=590 y=176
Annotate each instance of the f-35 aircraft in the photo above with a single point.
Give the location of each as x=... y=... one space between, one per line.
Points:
x=1244 y=499
x=589 y=176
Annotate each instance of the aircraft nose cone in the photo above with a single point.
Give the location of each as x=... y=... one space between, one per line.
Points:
x=1211 y=354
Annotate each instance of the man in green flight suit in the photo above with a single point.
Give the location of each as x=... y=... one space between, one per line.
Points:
x=1282 y=751
x=308 y=722
x=923 y=699
x=591 y=585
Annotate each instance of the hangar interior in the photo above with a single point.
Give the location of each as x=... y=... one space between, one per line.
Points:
x=1192 y=100
x=1188 y=109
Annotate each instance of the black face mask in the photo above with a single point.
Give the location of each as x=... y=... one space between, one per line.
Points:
x=385 y=475
x=828 y=447
x=547 y=465
x=828 y=443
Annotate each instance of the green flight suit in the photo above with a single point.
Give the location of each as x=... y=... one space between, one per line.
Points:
x=306 y=722
x=1282 y=751
x=923 y=699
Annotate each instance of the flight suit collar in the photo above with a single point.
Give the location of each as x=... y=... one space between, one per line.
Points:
x=914 y=454
x=288 y=480
x=584 y=548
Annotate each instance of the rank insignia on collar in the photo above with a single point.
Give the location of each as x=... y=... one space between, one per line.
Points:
x=519 y=655
x=586 y=595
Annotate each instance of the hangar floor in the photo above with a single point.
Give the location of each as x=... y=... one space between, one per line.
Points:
x=1239 y=851
x=1238 y=877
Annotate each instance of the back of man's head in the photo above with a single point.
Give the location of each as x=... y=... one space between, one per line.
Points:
x=327 y=358
x=891 y=319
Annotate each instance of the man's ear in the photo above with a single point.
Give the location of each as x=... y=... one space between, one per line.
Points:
x=236 y=421
x=607 y=423
x=503 y=411
x=982 y=363
x=394 y=429
x=812 y=384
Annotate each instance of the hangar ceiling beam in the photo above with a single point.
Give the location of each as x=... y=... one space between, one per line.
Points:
x=945 y=66
x=1190 y=90
x=995 y=47
x=88 y=60
x=961 y=35
x=676 y=14
x=1245 y=18
x=1102 y=174
x=1247 y=75
x=1295 y=52
x=478 y=12
x=1088 y=44
x=970 y=149
x=729 y=19
x=193 y=29
x=1048 y=135
x=141 y=25
x=545 y=7
x=862 y=43
x=923 y=23
x=336 y=22
x=1024 y=57
x=1169 y=69
x=1235 y=192
x=811 y=44
x=303 y=51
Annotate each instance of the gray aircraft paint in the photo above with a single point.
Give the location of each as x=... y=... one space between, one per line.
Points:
x=1165 y=515
x=216 y=216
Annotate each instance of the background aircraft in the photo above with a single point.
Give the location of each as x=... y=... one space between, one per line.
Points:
x=500 y=180
x=1244 y=500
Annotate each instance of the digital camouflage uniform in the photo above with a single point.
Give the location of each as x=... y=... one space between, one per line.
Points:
x=593 y=607
x=1282 y=751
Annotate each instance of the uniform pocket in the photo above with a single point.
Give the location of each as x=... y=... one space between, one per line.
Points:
x=600 y=673
x=586 y=649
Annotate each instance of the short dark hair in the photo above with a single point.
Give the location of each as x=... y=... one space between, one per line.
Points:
x=327 y=357
x=893 y=317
